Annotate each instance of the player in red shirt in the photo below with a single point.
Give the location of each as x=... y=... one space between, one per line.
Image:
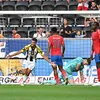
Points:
x=56 y=47
x=96 y=46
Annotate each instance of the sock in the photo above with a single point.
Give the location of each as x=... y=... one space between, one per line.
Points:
x=98 y=72
x=57 y=79
x=63 y=73
x=25 y=78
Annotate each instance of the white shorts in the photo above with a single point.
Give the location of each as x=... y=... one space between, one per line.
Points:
x=29 y=64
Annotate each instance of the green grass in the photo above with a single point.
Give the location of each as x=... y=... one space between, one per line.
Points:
x=45 y=92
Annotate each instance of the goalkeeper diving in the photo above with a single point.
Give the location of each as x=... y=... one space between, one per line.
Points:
x=74 y=65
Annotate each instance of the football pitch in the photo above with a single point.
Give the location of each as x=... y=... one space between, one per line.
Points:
x=47 y=92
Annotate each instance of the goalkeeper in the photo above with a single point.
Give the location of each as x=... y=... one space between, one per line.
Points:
x=74 y=65
x=32 y=50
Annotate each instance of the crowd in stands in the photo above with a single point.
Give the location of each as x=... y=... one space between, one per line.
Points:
x=65 y=30
x=50 y=5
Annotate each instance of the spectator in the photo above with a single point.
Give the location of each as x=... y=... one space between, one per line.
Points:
x=82 y=5
x=1 y=35
x=15 y=34
x=87 y=22
x=48 y=34
x=98 y=7
x=93 y=20
x=79 y=35
x=93 y=6
x=65 y=29
x=39 y=33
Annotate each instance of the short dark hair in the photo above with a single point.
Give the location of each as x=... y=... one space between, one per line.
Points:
x=40 y=27
x=54 y=30
x=97 y=23
x=34 y=39
x=89 y=61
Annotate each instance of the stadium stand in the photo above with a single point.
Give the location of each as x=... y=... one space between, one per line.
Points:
x=23 y=31
x=22 y=5
x=61 y=5
x=28 y=22
x=31 y=31
x=73 y=5
x=8 y=6
x=35 y=6
x=80 y=20
x=14 y=22
x=48 y=5
x=7 y=31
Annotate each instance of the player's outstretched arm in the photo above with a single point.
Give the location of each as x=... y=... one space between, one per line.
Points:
x=82 y=76
x=16 y=53
x=46 y=58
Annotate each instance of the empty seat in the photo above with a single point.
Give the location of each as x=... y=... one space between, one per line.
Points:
x=3 y=22
x=7 y=31
x=22 y=5
x=23 y=31
x=71 y=21
x=76 y=29
x=32 y=30
x=73 y=5
x=35 y=6
x=48 y=5
x=88 y=31
x=80 y=21
x=9 y=5
x=14 y=22
x=55 y=22
x=61 y=5
x=28 y=22
x=69 y=15
x=41 y=22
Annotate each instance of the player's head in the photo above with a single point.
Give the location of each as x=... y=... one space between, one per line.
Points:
x=87 y=61
x=34 y=41
x=54 y=30
x=95 y=25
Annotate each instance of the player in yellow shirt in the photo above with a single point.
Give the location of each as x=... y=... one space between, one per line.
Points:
x=32 y=50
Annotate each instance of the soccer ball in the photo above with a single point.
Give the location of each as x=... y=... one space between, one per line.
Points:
x=13 y=77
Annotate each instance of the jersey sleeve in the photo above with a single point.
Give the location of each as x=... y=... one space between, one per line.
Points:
x=49 y=40
x=25 y=48
x=98 y=33
x=80 y=60
x=39 y=50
